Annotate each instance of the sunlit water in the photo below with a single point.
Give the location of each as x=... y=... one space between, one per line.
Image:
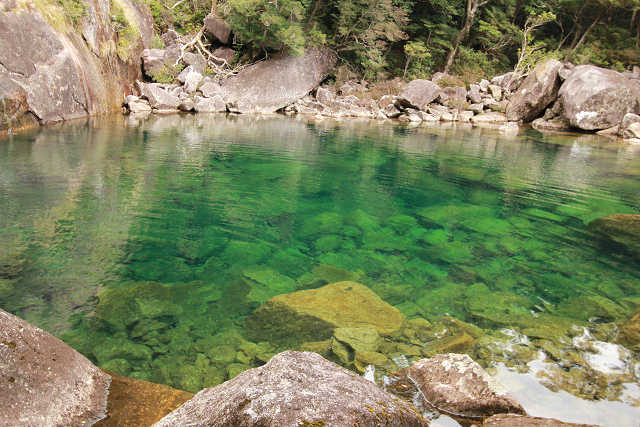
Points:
x=438 y=221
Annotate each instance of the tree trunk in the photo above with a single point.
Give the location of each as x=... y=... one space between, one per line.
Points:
x=591 y=27
x=472 y=8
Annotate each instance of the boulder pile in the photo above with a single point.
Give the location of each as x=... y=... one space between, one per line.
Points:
x=554 y=96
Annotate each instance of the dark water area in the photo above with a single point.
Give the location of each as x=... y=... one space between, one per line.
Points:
x=145 y=244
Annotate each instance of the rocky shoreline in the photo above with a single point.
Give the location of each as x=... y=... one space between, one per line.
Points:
x=50 y=384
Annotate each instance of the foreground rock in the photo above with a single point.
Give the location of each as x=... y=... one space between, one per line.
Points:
x=509 y=420
x=271 y=85
x=538 y=90
x=594 y=98
x=44 y=382
x=295 y=389
x=621 y=228
x=136 y=403
x=418 y=94
x=313 y=315
x=455 y=384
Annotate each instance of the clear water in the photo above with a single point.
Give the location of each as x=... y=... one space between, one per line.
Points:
x=438 y=221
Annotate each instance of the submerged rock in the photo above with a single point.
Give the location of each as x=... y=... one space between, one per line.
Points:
x=621 y=228
x=295 y=389
x=456 y=384
x=45 y=382
x=629 y=335
x=137 y=403
x=312 y=315
x=510 y=420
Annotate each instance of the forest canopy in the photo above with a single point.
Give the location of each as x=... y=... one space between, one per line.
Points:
x=379 y=39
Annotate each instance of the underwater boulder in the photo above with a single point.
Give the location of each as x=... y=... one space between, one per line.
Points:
x=629 y=335
x=621 y=228
x=295 y=389
x=312 y=315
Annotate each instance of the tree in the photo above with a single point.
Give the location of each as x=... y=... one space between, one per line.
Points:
x=472 y=7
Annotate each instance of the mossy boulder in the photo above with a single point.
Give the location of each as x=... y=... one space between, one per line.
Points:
x=312 y=315
x=588 y=307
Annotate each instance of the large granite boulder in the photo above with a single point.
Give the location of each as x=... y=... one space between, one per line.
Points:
x=594 y=98
x=295 y=389
x=418 y=94
x=454 y=383
x=620 y=228
x=44 y=382
x=273 y=84
x=69 y=75
x=136 y=403
x=538 y=90
x=511 y=420
x=312 y=315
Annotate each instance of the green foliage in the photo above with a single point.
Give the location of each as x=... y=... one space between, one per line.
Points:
x=166 y=73
x=270 y=25
x=157 y=43
x=419 y=62
x=75 y=10
x=127 y=29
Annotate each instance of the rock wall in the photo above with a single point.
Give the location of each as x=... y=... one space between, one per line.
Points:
x=49 y=74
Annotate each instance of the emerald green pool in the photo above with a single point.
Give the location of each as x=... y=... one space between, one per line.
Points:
x=490 y=229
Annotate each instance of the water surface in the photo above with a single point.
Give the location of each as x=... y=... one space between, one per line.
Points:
x=96 y=216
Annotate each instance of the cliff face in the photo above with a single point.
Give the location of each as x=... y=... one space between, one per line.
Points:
x=51 y=74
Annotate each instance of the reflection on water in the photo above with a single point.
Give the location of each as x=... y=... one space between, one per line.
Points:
x=145 y=244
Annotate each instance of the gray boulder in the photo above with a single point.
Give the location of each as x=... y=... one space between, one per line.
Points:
x=454 y=383
x=295 y=389
x=594 y=98
x=627 y=121
x=152 y=58
x=196 y=61
x=210 y=89
x=159 y=98
x=418 y=94
x=217 y=30
x=273 y=84
x=44 y=381
x=490 y=117
x=223 y=56
x=214 y=104
x=13 y=104
x=555 y=124
x=538 y=90
x=456 y=92
x=138 y=107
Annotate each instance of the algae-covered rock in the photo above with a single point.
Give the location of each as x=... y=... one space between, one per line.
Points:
x=123 y=307
x=312 y=315
x=384 y=239
x=452 y=252
x=362 y=220
x=458 y=343
x=265 y=283
x=621 y=228
x=629 y=335
x=359 y=339
x=499 y=302
x=245 y=253
x=587 y=307
x=401 y=223
x=325 y=223
x=487 y=225
x=118 y=347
